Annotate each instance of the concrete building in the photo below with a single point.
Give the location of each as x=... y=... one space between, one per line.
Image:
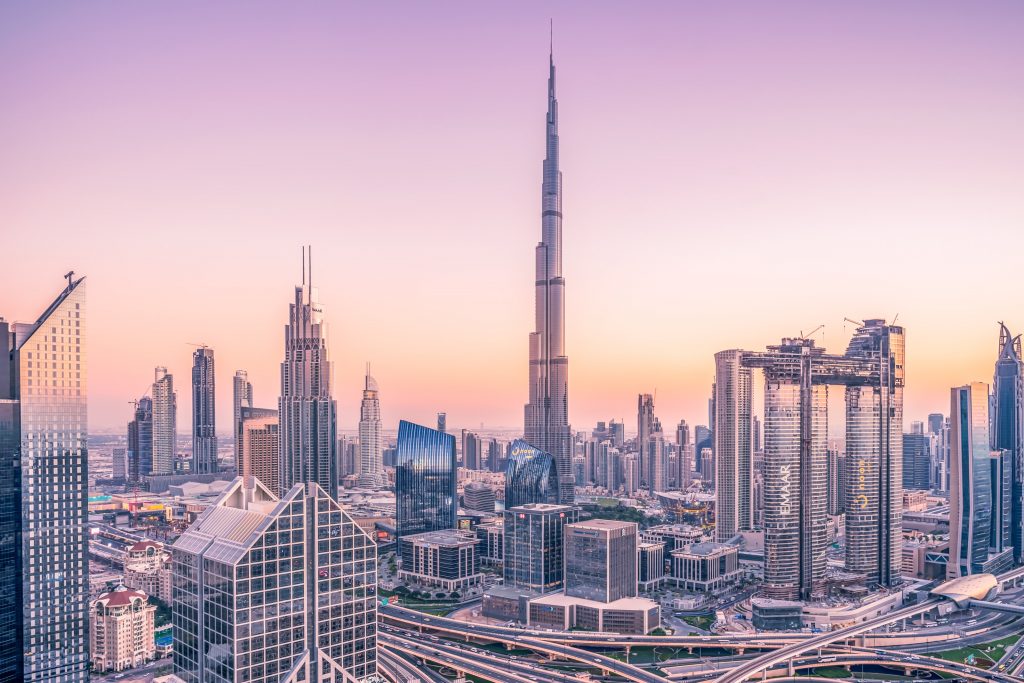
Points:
x=446 y=559
x=478 y=497
x=600 y=560
x=733 y=445
x=297 y=569
x=534 y=538
x=371 y=446
x=241 y=397
x=705 y=567
x=121 y=630
x=563 y=612
x=165 y=422
x=147 y=568
x=260 y=446
x=204 y=412
x=650 y=563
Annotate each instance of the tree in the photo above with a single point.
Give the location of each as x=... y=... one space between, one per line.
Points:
x=659 y=632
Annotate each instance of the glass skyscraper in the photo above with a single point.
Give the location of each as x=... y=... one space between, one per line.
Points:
x=241 y=397
x=269 y=589
x=733 y=445
x=44 y=584
x=140 y=441
x=204 y=412
x=425 y=480
x=600 y=560
x=308 y=411
x=970 y=494
x=1008 y=427
x=530 y=476
x=534 y=546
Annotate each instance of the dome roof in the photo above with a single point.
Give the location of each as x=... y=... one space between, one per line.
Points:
x=121 y=596
x=144 y=545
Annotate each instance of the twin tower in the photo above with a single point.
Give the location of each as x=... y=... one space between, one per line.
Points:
x=797 y=377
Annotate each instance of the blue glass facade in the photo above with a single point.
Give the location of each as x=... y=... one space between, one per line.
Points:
x=530 y=476
x=140 y=441
x=1008 y=427
x=425 y=480
x=970 y=516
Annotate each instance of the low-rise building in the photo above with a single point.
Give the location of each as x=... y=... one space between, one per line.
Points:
x=650 y=563
x=492 y=542
x=446 y=559
x=559 y=611
x=147 y=567
x=704 y=567
x=121 y=627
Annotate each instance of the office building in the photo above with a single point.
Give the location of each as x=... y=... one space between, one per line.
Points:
x=600 y=560
x=140 y=441
x=1000 y=538
x=204 y=412
x=650 y=565
x=119 y=465
x=684 y=456
x=308 y=411
x=260 y=446
x=531 y=476
x=44 y=464
x=644 y=426
x=705 y=567
x=547 y=412
x=836 y=478
x=270 y=589
x=733 y=449
x=241 y=397
x=470 y=450
x=917 y=461
x=371 y=445
x=121 y=630
x=1008 y=427
x=425 y=480
x=165 y=422
x=442 y=422
x=446 y=559
x=534 y=546
x=478 y=497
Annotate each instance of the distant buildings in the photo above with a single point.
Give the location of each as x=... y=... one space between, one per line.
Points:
x=121 y=629
x=308 y=412
x=165 y=422
x=140 y=441
x=547 y=412
x=478 y=497
x=916 y=461
x=44 y=609
x=531 y=476
x=297 y=569
x=242 y=397
x=260 y=446
x=425 y=480
x=204 y=412
x=371 y=446
x=684 y=455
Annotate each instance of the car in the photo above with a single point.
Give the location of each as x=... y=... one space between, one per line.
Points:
x=597 y=660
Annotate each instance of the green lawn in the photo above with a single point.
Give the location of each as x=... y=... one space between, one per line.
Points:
x=993 y=651
x=701 y=621
x=832 y=672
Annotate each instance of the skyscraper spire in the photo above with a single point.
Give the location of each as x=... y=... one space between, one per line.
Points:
x=547 y=413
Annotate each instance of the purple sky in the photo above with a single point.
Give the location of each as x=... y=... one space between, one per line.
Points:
x=734 y=172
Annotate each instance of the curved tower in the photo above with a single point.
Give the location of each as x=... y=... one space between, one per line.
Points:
x=547 y=413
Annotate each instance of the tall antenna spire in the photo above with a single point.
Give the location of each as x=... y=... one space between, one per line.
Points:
x=310 y=248
x=551 y=39
x=303 y=265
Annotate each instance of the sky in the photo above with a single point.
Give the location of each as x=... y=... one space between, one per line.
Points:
x=733 y=173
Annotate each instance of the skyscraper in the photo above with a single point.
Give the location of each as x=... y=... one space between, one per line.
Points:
x=165 y=422
x=204 y=412
x=644 y=425
x=442 y=422
x=241 y=398
x=684 y=456
x=308 y=412
x=274 y=589
x=44 y=583
x=425 y=480
x=970 y=484
x=547 y=413
x=534 y=547
x=733 y=439
x=916 y=461
x=470 y=450
x=261 y=446
x=1008 y=427
x=600 y=560
x=371 y=447
x=140 y=441
x=530 y=476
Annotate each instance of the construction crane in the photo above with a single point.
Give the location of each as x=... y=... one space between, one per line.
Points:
x=811 y=333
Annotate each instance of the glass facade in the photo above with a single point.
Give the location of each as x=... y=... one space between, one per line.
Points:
x=44 y=495
x=600 y=560
x=266 y=589
x=534 y=543
x=916 y=461
x=1008 y=427
x=530 y=476
x=733 y=445
x=970 y=510
x=204 y=423
x=165 y=422
x=140 y=441
x=425 y=480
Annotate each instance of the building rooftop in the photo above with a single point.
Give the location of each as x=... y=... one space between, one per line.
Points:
x=121 y=597
x=705 y=549
x=603 y=525
x=564 y=600
x=539 y=507
x=444 y=537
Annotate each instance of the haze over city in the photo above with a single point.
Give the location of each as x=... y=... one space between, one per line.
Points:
x=734 y=174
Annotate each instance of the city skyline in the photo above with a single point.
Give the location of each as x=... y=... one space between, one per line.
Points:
x=934 y=155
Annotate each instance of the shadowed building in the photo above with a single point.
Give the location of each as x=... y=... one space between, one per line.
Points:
x=530 y=476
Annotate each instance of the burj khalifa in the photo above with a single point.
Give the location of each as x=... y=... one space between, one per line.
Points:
x=547 y=413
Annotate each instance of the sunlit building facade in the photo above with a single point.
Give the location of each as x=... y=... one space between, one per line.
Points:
x=371 y=446
x=733 y=445
x=204 y=412
x=165 y=422
x=534 y=546
x=241 y=397
x=600 y=560
x=970 y=499
x=121 y=630
x=140 y=441
x=530 y=476
x=44 y=582
x=426 y=480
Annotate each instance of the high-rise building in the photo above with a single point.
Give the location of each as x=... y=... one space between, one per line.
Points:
x=241 y=397
x=165 y=422
x=835 y=477
x=874 y=450
x=970 y=494
x=530 y=476
x=733 y=422
x=916 y=461
x=684 y=457
x=121 y=630
x=44 y=581
x=308 y=411
x=547 y=413
x=496 y=459
x=371 y=446
x=1000 y=538
x=140 y=441
x=657 y=460
x=644 y=425
x=442 y=422
x=425 y=480
x=600 y=560
x=1008 y=427
x=270 y=589
x=261 y=446
x=534 y=546
x=470 y=450
x=204 y=412
x=479 y=497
